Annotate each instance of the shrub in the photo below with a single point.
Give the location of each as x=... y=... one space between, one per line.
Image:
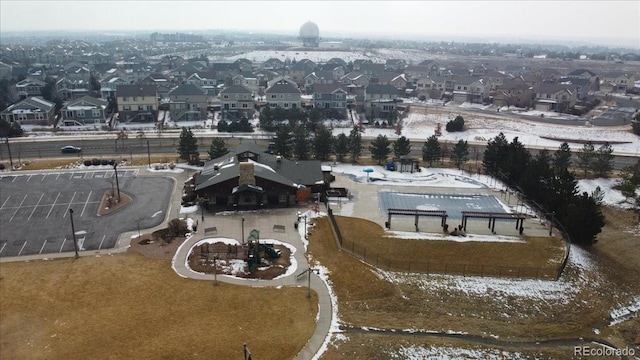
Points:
x=87 y=163
x=95 y=161
x=177 y=227
x=104 y=162
x=456 y=124
x=1 y=166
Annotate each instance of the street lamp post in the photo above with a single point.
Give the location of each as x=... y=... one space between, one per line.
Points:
x=242 y=231
x=73 y=231
x=148 y=154
x=115 y=169
x=9 y=151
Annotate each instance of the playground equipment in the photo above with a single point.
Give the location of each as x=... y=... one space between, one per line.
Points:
x=254 y=249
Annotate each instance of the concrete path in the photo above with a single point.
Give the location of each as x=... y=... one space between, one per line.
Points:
x=231 y=226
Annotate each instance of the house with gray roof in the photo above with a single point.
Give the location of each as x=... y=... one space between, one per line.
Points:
x=380 y=99
x=554 y=97
x=188 y=102
x=29 y=87
x=236 y=101
x=137 y=103
x=622 y=81
x=86 y=110
x=471 y=89
x=330 y=96
x=283 y=94
x=30 y=111
x=250 y=178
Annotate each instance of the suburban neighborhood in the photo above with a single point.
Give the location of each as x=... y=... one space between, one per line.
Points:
x=268 y=196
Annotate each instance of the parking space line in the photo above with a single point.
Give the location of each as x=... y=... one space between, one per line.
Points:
x=44 y=176
x=5 y=244
x=58 y=176
x=68 y=206
x=43 y=244
x=99 y=246
x=52 y=205
x=22 y=248
x=18 y=208
x=88 y=173
x=35 y=207
x=61 y=246
x=86 y=202
x=15 y=177
x=29 y=179
x=5 y=202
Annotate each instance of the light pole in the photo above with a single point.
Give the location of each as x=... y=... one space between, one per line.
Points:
x=148 y=154
x=9 y=151
x=73 y=231
x=115 y=169
x=242 y=231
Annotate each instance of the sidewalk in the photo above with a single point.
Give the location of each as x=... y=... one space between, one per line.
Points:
x=231 y=226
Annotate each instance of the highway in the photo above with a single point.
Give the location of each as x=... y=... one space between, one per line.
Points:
x=108 y=147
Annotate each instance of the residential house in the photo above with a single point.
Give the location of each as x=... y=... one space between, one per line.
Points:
x=244 y=64
x=109 y=84
x=414 y=72
x=29 y=87
x=188 y=102
x=399 y=81
x=471 y=89
x=430 y=86
x=137 y=103
x=396 y=65
x=495 y=78
x=283 y=94
x=583 y=86
x=622 y=81
x=248 y=80
x=68 y=89
x=330 y=96
x=380 y=99
x=86 y=110
x=206 y=80
x=273 y=64
x=30 y=111
x=517 y=70
x=582 y=74
x=547 y=75
x=356 y=78
x=78 y=74
x=316 y=78
x=170 y=62
x=336 y=61
x=514 y=93
x=372 y=69
x=298 y=71
x=162 y=83
x=236 y=101
x=249 y=178
x=357 y=64
x=182 y=72
x=554 y=97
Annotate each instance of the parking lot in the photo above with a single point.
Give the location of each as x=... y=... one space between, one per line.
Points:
x=36 y=209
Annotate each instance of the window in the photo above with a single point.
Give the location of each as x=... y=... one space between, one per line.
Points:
x=124 y=98
x=80 y=113
x=126 y=107
x=245 y=105
x=338 y=96
x=39 y=116
x=96 y=113
x=149 y=108
x=133 y=99
x=225 y=96
x=68 y=114
x=140 y=108
x=286 y=105
x=233 y=105
x=274 y=96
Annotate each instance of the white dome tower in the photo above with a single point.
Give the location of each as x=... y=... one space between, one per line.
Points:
x=309 y=34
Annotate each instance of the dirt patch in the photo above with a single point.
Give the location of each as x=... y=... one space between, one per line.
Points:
x=153 y=247
x=110 y=204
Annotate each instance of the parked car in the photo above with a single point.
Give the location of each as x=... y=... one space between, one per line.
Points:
x=71 y=149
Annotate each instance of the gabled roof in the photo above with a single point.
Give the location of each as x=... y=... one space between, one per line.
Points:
x=381 y=89
x=88 y=100
x=136 y=90
x=235 y=89
x=328 y=88
x=579 y=72
x=30 y=104
x=282 y=87
x=551 y=88
x=187 y=89
x=467 y=80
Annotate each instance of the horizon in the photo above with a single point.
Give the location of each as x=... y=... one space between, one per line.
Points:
x=490 y=21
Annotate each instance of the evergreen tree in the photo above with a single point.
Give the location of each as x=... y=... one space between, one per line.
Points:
x=586 y=157
x=218 y=148
x=460 y=153
x=401 y=147
x=223 y=126
x=355 y=144
x=431 y=150
x=322 y=143
x=244 y=125
x=341 y=147
x=283 y=141
x=562 y=158
x=495 y=154
x=536 y=180
x=380 y=148
x=188 y=146
x=456 y=124
x=267 y=119
x=517 y=160
x=301 y=144
x=603 y=161
x=10 y=130
x=584 y=220
x=94 y=85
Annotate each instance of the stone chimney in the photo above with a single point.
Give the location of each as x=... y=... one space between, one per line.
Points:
x=247 y=174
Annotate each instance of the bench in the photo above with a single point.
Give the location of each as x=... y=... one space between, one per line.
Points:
x=211 y=230
x=279 y=228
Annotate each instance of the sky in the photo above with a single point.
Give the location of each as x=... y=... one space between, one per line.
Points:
x=595 y=22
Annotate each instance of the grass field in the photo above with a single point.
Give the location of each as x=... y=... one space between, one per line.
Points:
x=127 y=306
